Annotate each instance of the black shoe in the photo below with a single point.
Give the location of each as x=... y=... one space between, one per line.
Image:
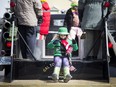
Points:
x=83 y=36
x=68 y=77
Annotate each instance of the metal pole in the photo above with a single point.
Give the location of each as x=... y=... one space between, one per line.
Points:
x=12 y=46
x=12 y=43
x=106 y=31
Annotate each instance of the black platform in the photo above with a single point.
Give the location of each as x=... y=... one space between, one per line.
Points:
x=23 y=70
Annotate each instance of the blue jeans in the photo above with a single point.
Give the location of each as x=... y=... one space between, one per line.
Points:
x=29 y=35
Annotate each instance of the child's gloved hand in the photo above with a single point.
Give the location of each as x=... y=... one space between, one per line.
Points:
x=72 y=68
x=56 y=42
x=74 y=41
x=69 y=50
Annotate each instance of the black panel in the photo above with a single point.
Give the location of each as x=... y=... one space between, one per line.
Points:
x=43 y=70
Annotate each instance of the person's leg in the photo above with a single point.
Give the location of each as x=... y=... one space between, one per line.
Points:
x=22 y=36
x=31 y=41
x=57 y=67
x=66 y=68
x=27 y=36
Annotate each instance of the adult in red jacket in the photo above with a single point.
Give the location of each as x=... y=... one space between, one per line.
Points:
x=44 y=27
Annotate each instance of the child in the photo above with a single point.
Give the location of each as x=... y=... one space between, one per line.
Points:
x=63 y=48
x=72 y=22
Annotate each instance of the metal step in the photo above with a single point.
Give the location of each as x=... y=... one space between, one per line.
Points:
x=42 y=70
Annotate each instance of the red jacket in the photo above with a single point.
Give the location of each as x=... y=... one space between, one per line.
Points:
x=44 y=27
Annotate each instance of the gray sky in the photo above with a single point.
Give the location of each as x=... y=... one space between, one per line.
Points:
x=3 y=4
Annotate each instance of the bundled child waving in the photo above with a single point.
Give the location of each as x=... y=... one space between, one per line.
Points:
x=63 y=47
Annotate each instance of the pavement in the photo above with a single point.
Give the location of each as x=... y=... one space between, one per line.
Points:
x=50 y=83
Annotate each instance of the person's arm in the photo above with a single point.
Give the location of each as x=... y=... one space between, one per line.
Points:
x=53 y=43
x=37 y=7
x=38 y=10
x=50 y=45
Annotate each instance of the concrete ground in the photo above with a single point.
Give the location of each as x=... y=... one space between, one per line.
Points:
x=50 y=83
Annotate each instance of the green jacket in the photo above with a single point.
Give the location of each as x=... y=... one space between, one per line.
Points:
x=59 y=50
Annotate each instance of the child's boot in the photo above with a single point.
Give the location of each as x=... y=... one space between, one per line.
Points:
x=67 y=75
x=55 y=75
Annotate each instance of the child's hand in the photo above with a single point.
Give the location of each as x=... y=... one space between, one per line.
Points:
x=73 y=41
x=72 y=68
x=56 y=42
x=55 y=37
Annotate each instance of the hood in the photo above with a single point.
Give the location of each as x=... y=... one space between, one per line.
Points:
x=45 y=6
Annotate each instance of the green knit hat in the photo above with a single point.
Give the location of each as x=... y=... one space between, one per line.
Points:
x=74 y=3
x=63 y=30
